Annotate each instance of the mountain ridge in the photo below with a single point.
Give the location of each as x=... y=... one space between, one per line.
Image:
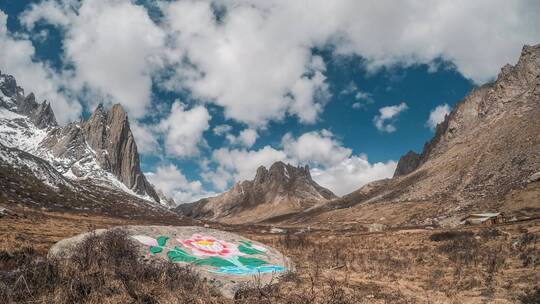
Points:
x=101 y=148
x=281 y=189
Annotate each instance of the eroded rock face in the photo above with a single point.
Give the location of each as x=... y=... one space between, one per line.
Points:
x=226 y=260
x=111 y=143
x=273 y=192
x=109 y=135
x=408 y=163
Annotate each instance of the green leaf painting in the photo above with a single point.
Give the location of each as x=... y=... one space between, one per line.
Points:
x=162 y=240
x=254 y=262
x=248 y=250
x=178 y=255
x=155 y=249
x=213 y=262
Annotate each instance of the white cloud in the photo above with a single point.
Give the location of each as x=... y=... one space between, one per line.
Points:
x=16 y=58
x=387 y=115
x=53 y=12
x=113 y=45
x=352 y=173
x=146 y=139
x=170 y=180
x=315 y=147
x=437 y=115
x=245 y=63
x=246 y=138
x=183 y=129
x=220 y=130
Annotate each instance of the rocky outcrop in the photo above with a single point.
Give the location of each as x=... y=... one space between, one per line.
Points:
x=165 y=200
x=408 y=163
x=109 y=135
x=279 y=190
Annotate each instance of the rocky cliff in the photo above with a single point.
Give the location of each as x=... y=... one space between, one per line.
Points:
x=101 y=148
x=279 y=190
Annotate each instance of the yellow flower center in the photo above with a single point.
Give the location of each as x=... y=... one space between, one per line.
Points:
x=205 y=243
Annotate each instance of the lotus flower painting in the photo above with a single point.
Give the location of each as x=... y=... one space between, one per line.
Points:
x=213 y=254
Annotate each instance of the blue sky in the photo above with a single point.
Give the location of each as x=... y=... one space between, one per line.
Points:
x=216 y=88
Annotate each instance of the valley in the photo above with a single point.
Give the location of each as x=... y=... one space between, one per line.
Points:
x=457 y=222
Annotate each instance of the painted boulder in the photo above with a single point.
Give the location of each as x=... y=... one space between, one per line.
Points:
x=226 y=260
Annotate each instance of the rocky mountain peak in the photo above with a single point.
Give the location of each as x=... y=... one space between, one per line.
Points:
x=8 y=85
x=282 y=188
x=108 y=133
x=41 y=114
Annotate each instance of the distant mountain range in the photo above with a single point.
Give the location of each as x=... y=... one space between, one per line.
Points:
x=484 y=156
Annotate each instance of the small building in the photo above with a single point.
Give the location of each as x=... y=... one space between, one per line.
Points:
x=489 y=218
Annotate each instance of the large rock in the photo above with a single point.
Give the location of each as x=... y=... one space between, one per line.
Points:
x=228 y=261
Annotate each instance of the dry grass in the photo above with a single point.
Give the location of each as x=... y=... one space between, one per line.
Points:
x=476 y=265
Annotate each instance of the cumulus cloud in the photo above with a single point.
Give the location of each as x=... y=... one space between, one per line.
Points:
x=220 y=130
x=246 y=138
x=170 y=180
x=183 y=129
x=113 y=46
x=242 y=61
x=333 y=165
x=315 y=147
x=16 y=58
x=245 y=63
x=437 y=115
x=387 y=115
x=146 y=139
x=351 y=173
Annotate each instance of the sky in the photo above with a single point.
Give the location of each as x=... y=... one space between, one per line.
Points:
x=215 y=89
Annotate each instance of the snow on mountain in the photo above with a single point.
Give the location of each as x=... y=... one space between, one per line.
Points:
x=28 y=126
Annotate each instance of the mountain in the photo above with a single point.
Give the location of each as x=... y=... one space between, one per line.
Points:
x=29 y=181
x=101 y=149
x=282 y=189
x=481 y=158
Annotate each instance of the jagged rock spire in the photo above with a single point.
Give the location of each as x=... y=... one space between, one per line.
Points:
x=109 y=134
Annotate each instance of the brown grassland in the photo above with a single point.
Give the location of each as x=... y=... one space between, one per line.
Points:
x=471 y=265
